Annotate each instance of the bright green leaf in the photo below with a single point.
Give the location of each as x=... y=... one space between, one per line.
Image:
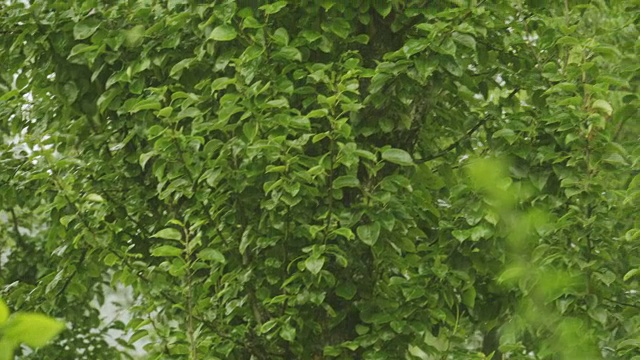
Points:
x=94 y=198
x=268 y=326
x=223 y=33
x=34 y=330
x=4 y=312
x=110 y=259
x=603 y=106
x=631 y=273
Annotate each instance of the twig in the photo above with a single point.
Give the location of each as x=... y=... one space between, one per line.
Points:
x=16 y=228
x=470 y=132
x=622 y=303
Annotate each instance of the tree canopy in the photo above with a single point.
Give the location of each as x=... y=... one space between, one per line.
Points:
x=323 y=179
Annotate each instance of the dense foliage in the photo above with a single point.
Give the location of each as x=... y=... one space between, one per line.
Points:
x=313 y=179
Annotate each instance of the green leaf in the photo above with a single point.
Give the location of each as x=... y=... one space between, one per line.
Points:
x=281 y=37
x=273 y=7
x=346 y=181
x=614 y=159
x=212 y=255
x=512 y=274
x=633 y=343
x=288 y=332
x=369 y=233
x=246 y=240
x=65 y=220
x=81 y=49
x=602 y=106
x=382 y=7
x=346 y=290
x=314 y=264
x=507 y=134
x=397 y=156
x=94 y=198
x=110 y=259
x=4 y=312
x=465 y=40
x=610 y=52
x=318 y=113
x=344 y=232
x=165 y=111
x=338 y=26
x=85 y=28
x=460 y=235
x=144 y=158
x=288 y=53
x=250 y=130
x=414 y=46
x=190 y=112
x=168 y=233
x=166 y=250
x=146 y=104
x=70 y=91
x=268 y=326
x=567 y=40
x=223 y=33
x=631 y=273
x=134 y=36
x=469 y=297
x=177 y=69
x=34 y=330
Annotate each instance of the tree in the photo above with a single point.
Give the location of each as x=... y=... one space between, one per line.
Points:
x=313 y=179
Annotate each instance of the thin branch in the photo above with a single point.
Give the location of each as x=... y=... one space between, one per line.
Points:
x=16 y=228
x=190 y=332
x=622 y=303
x=64 y=287
x=469 y=132
x=619 y=129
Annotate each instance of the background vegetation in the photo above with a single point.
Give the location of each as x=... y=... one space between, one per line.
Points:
x=363 y=179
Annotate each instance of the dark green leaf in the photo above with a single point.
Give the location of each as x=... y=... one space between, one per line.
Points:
x=397 y=156
x=346 y=181
x=369 y=233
